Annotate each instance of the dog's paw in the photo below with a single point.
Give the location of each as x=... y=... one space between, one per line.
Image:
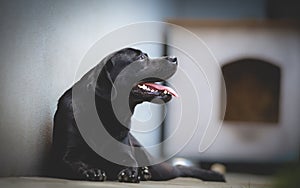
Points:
x=129 y=175
x=94 y=174
x=145 y=173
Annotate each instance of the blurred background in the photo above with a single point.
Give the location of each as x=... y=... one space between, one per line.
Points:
x=256 y=44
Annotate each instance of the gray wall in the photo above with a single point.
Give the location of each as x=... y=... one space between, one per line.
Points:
x=211 y=138
x=42 y=43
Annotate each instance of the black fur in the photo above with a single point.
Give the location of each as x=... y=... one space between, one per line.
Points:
x=72 y=156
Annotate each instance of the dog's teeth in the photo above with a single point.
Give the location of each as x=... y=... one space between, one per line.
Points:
x=144 y=87
x=165 y=92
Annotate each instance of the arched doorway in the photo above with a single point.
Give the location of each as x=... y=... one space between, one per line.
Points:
x=253 y=91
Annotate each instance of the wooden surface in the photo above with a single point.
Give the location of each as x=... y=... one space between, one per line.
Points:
x=233 y=180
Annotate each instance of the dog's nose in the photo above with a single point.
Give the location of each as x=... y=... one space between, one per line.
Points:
x=172 y=59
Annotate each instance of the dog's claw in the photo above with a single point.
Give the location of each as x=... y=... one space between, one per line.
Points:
x=129 y=175
x=94 y=174
x=145 y=174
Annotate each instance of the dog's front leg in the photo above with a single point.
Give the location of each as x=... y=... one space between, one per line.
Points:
x=83 y=170
x=131 y=173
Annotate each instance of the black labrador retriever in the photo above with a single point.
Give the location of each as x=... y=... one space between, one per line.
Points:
x=74 y=158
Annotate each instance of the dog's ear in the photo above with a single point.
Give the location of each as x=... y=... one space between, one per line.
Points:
x=103 y=84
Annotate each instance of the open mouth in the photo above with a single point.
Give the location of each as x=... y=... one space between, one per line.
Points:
x=157 y=88
x=154 y=89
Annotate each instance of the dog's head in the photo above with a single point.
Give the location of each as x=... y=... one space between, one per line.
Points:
x=133 y=71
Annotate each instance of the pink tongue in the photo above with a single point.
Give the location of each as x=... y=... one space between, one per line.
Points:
x=162 y=88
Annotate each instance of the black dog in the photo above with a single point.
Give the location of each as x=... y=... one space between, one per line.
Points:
x=73 y=156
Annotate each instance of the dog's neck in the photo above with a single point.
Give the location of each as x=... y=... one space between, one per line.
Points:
x=133 y=102
x=116 y=126
x=120 y=123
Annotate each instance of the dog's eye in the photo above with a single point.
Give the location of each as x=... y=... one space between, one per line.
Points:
x=142 y=57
